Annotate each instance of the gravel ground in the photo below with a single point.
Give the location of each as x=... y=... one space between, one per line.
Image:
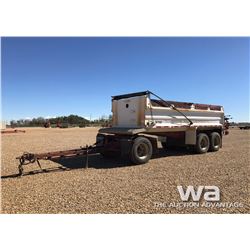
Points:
x=115 y=186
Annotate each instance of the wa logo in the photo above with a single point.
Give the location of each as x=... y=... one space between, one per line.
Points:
x=210 y=193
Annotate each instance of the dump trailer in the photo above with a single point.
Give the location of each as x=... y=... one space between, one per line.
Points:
x=142 y=122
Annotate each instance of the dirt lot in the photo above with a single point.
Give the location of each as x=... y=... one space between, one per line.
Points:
x=115 y=186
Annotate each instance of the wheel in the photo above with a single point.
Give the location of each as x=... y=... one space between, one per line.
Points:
x=202 y=143
x=215 y=141
x=141 y=150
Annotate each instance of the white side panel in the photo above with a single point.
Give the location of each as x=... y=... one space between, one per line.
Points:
x=169 y=117
x=130 y=112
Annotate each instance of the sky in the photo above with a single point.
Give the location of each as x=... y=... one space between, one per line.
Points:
x=51 y=77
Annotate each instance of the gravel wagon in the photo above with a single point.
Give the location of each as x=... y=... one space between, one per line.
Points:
x=143 y=122
x=140 y=123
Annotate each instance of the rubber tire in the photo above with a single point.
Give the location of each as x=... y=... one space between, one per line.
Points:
x=199 y=139
x=213 y=137
x=134 y=157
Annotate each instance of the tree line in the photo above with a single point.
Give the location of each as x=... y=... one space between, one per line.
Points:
x=61 y=121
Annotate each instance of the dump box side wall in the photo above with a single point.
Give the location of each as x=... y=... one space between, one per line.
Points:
x=169 y=117
x=129 y=112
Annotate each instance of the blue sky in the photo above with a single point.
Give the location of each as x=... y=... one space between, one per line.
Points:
x=62 y=76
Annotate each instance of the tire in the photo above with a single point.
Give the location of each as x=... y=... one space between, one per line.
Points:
x=215 y=141
x=141 y=151
x=202 y=143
